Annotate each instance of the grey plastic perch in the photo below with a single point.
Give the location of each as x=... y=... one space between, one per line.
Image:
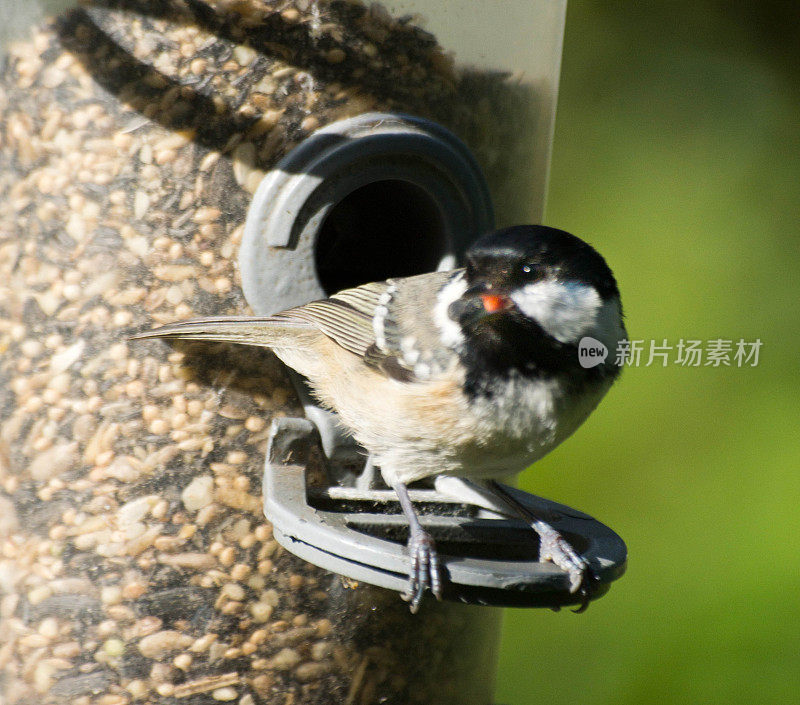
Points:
x=488 y=559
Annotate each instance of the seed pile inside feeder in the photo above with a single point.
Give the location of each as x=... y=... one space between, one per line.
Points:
x=135 y=563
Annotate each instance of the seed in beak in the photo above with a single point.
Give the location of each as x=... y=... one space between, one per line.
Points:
x=495 y=302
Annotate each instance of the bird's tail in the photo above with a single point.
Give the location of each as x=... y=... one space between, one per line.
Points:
x=245 y=330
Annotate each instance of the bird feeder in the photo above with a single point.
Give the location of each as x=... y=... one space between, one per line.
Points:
x=165 y=160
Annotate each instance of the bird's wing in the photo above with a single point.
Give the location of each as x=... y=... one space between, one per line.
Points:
x=387 y=324
x=379 y=322
x=346 y=317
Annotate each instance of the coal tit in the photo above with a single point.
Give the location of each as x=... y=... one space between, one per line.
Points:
x=472 y=373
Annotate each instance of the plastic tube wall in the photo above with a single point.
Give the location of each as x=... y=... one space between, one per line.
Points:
x=135 y=563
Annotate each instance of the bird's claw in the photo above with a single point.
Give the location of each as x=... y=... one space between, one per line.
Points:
x=555 y=548
x=424 y=571
x=587 y=589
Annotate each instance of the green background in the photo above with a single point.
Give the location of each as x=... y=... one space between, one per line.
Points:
x=677 y=154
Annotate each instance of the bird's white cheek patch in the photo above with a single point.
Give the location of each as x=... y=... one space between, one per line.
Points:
x=565 y=310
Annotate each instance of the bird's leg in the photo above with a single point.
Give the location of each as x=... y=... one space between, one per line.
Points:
x=424 y=571
x=553 y=546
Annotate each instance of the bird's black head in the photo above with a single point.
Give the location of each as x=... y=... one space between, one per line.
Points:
x=530 y=294
x=510 y=258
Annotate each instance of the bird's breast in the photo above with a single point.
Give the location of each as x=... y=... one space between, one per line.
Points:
x=519 y=420
x=422 y=429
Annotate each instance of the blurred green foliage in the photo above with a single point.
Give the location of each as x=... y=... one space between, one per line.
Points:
x=677 y=154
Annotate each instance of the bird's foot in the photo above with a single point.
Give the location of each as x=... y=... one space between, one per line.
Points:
x=555 y=548
x=424 y=571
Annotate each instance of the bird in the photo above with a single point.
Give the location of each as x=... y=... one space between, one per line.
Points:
x=472 y=373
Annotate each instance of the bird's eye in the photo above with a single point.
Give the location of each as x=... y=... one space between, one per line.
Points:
x=527 y=269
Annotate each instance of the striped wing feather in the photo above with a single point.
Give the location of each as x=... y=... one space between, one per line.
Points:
x=347 y=318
